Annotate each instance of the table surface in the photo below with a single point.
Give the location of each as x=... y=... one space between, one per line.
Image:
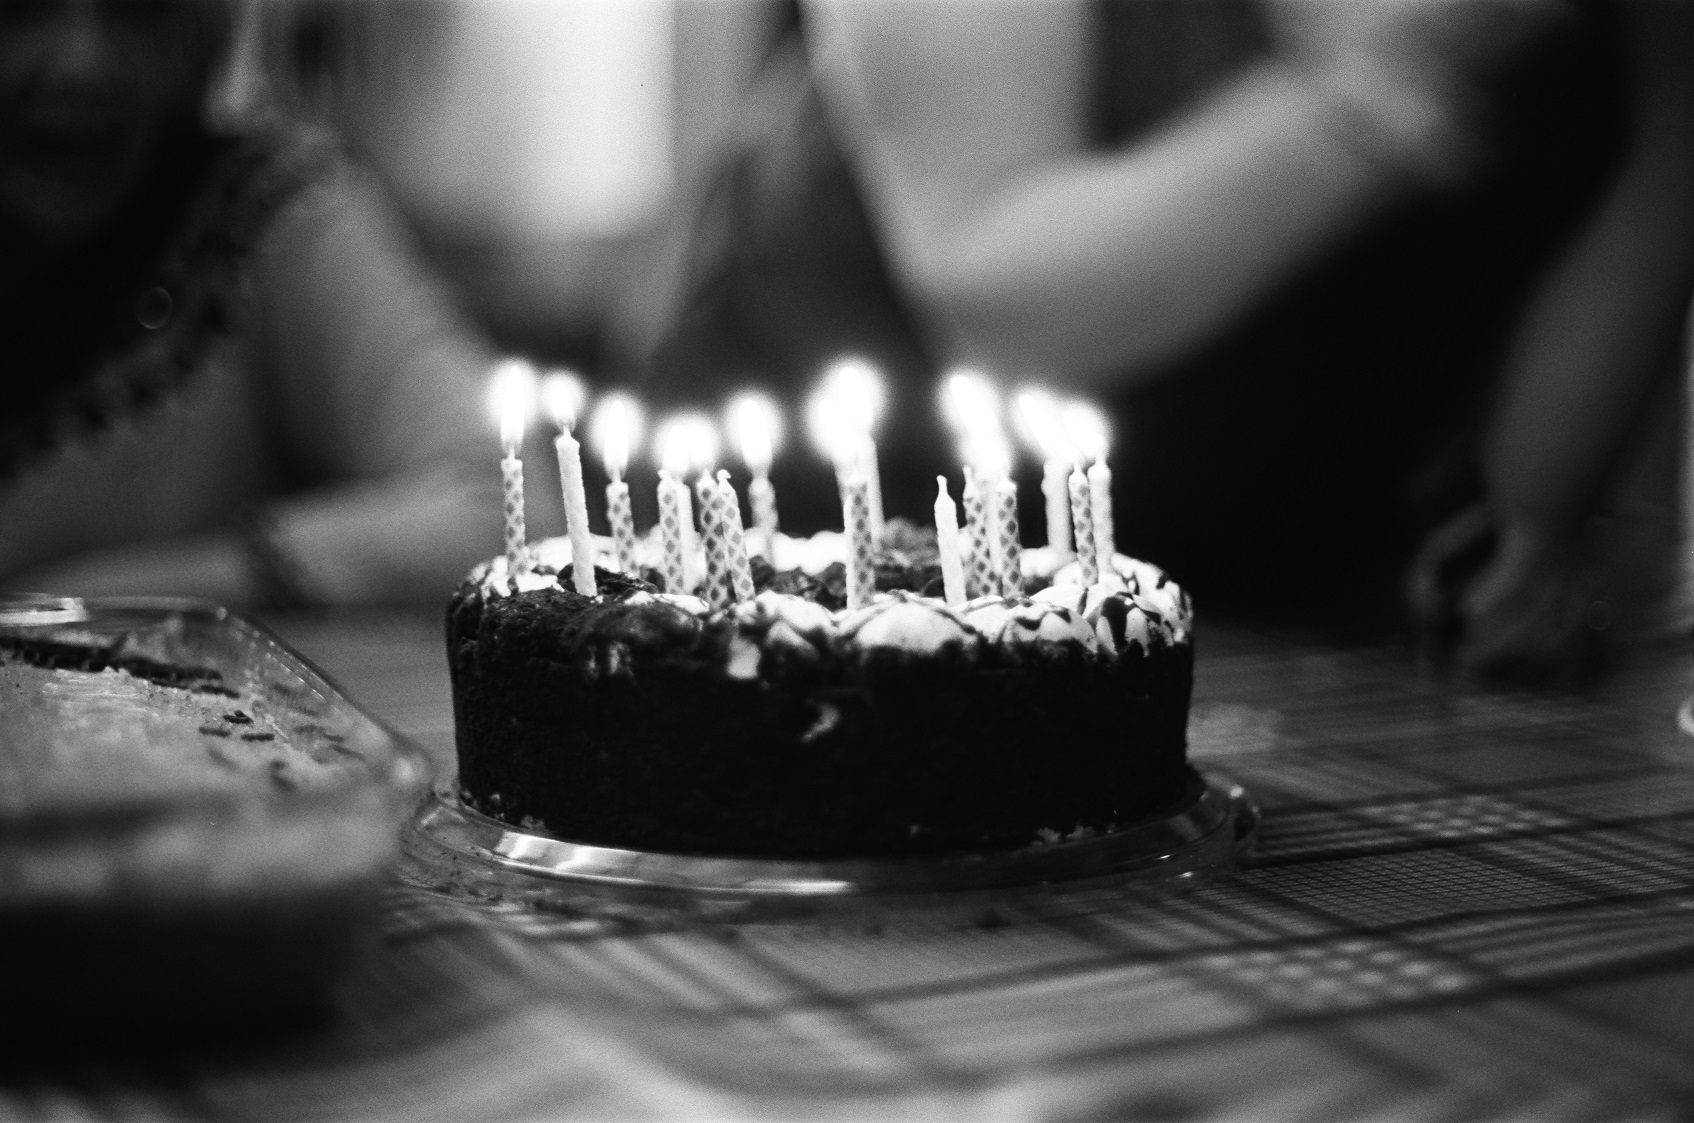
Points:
x=1463 y=904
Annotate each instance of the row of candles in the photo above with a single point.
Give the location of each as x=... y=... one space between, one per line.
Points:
x=981 y=556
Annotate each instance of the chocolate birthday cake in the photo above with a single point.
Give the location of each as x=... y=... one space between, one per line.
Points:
x=787 y=725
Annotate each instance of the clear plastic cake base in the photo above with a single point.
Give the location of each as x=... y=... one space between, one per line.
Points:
x=454 y=849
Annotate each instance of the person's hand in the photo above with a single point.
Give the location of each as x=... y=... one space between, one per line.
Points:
x=1514 y=603
x=1416 y=74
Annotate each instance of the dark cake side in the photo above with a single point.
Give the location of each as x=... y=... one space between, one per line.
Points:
x=639 y=725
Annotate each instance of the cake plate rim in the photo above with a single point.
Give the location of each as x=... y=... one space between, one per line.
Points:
x=458 y=849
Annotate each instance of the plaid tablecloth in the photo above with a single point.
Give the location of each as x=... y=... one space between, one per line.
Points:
x=1463 y=905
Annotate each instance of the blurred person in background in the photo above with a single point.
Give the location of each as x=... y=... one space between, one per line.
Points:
x=1368 y=288
x=225 y=374
x=1330 y=262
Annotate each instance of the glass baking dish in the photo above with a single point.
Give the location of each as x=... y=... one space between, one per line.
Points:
x=161 y=879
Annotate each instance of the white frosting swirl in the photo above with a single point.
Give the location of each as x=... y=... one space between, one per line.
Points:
x=498 y=581
x=1140 y=627
x=744 y=656
x=920 y=625
x=1035 y=622
x=1062 y=613
x=809 y=555
x=1043 y=561
x=804 y=617
x=987 y=615
x=1144 y=616
x=1041 y=620
x=1149 y=588
x=1073 y=597
x=798 y=627
x=694 y=606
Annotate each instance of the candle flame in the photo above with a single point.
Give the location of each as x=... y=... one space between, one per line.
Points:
x=1087 y=429
x=511 y=394
x=989 y=455
x=970 y=404
x=856 y=388
x=617 y=429
x=562 y=397
x=1040 y=425
x=830 y=432
x=756 y=425
x=688 y=443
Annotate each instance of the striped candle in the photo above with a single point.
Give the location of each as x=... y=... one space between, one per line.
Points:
x=1008 y=551
x=735 y=541
x=720 y=592
x=622 y=518
x=1100 y=497
x=981 y=577
x=1082 y=516
x=861 y=542
x=762 y=496
x=511 y=484
x=673 y=503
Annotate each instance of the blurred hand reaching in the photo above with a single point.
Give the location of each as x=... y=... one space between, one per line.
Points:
x=1510 y=602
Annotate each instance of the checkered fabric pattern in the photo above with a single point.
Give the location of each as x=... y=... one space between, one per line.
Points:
x=1463 y=905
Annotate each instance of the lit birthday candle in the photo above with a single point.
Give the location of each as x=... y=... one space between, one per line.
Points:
x=510 y=394
x=969 y=404
x=857 y=391
x=562 y=396
x=994 y=463
x=735 y=541
x=947 y=542
x=837 y=439
x=1039 y=425
x=972 y=407
x=1088 y=431
x=978 y=562
x=756 y=427
x=720 y=591
x=1082 y=515
x=617 y=428
x=684 y=442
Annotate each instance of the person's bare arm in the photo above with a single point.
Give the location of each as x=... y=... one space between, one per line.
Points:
x=375 y=393
x=1604 y=328
x=1025 y=249
x=1600 y=338
x=380 y=389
